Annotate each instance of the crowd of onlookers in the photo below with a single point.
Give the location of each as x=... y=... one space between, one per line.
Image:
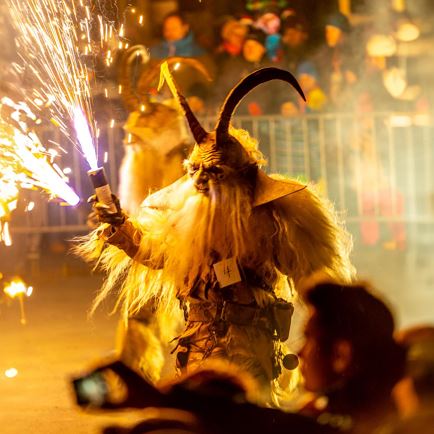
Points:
x=335 y=70
x=272 y=38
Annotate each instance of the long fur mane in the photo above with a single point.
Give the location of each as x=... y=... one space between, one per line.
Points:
x=183 y=229
x=183 y=233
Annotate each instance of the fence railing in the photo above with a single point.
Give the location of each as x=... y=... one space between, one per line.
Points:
x=373 y=167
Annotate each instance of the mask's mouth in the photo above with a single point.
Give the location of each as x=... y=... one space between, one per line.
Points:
x=204 y=189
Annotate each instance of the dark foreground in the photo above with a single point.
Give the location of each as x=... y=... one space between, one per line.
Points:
x=60 y=340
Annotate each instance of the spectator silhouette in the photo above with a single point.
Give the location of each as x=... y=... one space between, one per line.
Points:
x=269 y=22
x=350 y=358
x=337 y=62
x=308 y=77
x=178 y=39
x=253 y=56
x=415 y=393
x=232 y=34
x=214 y=400
x=295 y=42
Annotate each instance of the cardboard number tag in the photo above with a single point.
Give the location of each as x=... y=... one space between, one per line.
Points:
x=227 y=272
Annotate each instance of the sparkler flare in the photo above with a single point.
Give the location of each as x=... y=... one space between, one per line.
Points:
x=27 y=163
x=96 y=174
x=85 y=138
x=11 y=373
x=18 y=289
x=5 y=234
x=8 y=201
x=25 y=170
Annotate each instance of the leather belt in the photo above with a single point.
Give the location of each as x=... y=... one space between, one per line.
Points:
x=232 y=313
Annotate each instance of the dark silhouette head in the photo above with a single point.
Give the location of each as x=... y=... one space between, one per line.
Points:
x=350 y=345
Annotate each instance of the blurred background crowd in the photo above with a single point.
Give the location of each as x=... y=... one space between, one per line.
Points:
x=362 y=55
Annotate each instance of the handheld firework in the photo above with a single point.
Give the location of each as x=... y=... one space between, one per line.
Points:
x=96 y=174
x=25 y=163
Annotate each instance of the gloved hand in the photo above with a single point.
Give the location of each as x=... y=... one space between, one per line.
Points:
x=105 y=214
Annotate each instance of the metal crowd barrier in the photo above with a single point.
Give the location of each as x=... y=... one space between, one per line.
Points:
x=372 y=167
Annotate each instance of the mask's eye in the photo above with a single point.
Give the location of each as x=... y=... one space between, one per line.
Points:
x=192 y=168
x=217 y=171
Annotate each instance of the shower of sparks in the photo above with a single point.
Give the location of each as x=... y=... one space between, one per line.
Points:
x=8 y=200
x=25 y=163
x=56 y=40
x=5 y=235
x=28 y=166
x=8 y=192
x=54 y=37
x=48 y=42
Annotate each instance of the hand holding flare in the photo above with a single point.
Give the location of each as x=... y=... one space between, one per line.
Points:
x=103 y=199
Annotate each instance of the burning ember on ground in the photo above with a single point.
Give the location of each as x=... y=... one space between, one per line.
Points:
x=17 y=289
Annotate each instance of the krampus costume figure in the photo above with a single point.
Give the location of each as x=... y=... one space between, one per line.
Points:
x=156 y=140
x=225 y=242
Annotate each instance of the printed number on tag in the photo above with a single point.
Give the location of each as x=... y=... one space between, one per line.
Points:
x=227 y=272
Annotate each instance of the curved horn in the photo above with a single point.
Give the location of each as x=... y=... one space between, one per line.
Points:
x=245 y=86
x=146 y=80
x=131 y=97
x=199 y=133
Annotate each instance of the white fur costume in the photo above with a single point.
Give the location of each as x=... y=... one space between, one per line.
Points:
x=156 y=141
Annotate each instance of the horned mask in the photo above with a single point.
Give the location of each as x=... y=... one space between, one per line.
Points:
x=136 y=97
x=217 y=154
